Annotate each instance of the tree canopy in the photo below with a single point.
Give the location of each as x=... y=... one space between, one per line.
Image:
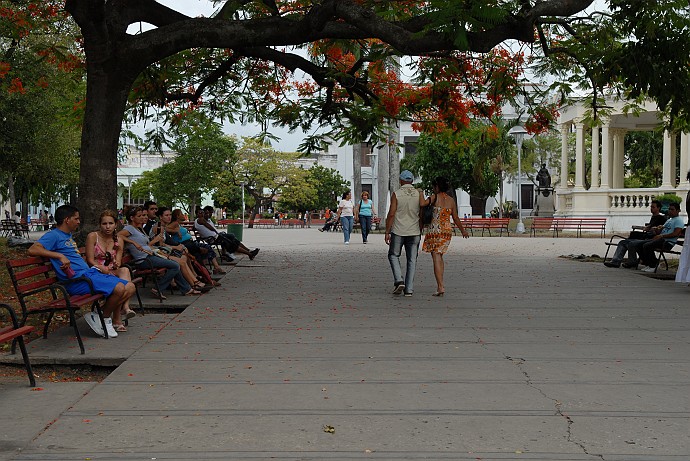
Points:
x=335 y=65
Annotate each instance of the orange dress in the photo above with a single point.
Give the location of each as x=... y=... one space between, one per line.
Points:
x=439 y=233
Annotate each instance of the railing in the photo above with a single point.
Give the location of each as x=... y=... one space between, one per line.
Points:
x=632 y=199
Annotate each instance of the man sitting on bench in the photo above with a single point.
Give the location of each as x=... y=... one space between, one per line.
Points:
x=58 y=245
x=665 y=239
x=655 y=224
x=208 y=233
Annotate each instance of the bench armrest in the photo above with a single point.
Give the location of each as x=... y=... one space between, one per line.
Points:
x=13 y=315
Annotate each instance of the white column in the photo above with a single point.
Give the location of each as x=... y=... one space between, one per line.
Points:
x=606 y=148
x=668 y=177
x=684 y=155
x=618 y=159
x=595 y=158
x=579 y=155
x=565 y=128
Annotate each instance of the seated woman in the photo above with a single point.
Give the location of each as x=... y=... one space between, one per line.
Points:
x=201 y=251
x=104 y=250
x=177 y=252
x=139 y=246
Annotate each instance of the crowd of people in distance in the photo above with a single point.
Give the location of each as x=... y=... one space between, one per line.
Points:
x=154 y=237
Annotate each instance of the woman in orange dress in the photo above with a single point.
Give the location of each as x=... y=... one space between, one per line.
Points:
x=439 y=232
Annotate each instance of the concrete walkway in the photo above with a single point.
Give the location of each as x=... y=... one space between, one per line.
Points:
x=305 y=354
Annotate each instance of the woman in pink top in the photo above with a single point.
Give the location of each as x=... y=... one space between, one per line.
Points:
x=104 y=252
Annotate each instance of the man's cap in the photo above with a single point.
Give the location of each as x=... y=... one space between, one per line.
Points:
x=407 y=176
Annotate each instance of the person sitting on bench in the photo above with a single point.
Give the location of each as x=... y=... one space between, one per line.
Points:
x=655 y=224
x=61 y=249
x=664 y=239
x=208 y=233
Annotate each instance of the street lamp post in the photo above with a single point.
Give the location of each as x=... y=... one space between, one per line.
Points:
x=242 y=188
x=518 y=132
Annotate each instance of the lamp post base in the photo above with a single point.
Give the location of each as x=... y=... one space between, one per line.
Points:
x=520 y=228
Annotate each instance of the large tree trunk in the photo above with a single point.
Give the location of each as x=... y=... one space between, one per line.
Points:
x=106 y=98
x=13 y=197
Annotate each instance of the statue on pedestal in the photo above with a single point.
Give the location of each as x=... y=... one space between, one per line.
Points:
x=543 y=205
x=543 y=177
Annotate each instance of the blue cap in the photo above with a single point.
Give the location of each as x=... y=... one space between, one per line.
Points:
x=407 y=176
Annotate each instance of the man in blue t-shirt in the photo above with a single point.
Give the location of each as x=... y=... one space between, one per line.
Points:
x=666 y=238
x=61 y=249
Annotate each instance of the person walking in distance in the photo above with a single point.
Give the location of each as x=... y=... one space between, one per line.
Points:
x=364 y=213
x=402 y=229
x=346 y=214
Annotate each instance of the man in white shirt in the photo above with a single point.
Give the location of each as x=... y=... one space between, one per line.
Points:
x=208 y=232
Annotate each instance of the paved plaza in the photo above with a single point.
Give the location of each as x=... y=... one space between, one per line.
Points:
x=304 y=354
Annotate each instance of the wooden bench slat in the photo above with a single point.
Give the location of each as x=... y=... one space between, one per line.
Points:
x=12 y=333
x=557 y=224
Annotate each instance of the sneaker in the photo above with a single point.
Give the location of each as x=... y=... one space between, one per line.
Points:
x=648 y=269
x=611 y=264
x=408 y=295
x=109 y=327
x=642 y=267
x=399 y=287
x=347 y=243
x=253 y=253
x=630 y=265
x=94 y=322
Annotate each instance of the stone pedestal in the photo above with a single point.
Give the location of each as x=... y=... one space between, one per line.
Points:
x=544 y=204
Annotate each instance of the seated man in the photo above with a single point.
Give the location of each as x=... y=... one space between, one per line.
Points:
x=208 y=232
x=330 y=222
x=58 y=245
x=647 y=232
x=666 y=238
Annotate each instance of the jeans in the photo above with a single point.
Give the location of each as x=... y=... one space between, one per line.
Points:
x=172 y=272
x=365 y=223
x=411 y=243
x=627 y=245
x=648 y=256
x=346 y=222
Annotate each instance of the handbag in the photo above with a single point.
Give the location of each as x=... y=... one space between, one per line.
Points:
x=202 y=271
x=428 y=212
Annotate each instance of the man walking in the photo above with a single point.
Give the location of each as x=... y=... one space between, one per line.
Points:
x=403 y=229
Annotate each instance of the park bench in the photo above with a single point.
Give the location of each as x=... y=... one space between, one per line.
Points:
x=9 y=228
x=557 y=225
x=15 y=333
x=39 y=291
x=375 y=223
x=676 y=249
x=291 y=223
x=140 y=272
x=485 y=224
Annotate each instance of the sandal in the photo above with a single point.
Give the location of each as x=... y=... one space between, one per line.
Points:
x=202 y=288
x=192 y=292
x=128 y=314
x=120 y=328
x=219 y=272
x=157 y=294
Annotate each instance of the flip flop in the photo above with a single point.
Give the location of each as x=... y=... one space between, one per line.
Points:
x=157 y=294
x=120 y=328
